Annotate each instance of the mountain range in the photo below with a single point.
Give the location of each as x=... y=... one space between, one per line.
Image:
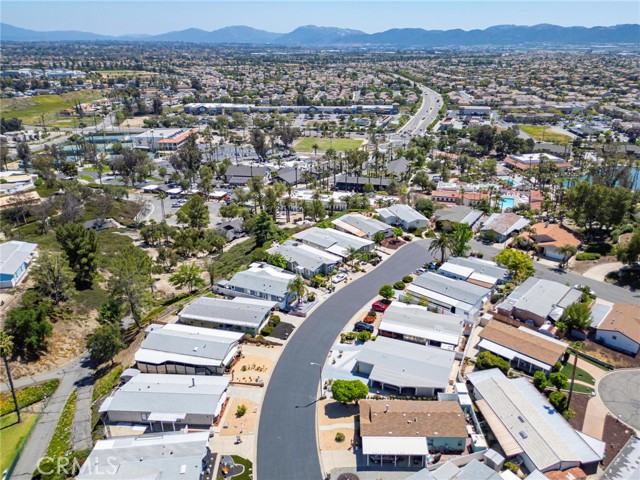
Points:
x=313 y=36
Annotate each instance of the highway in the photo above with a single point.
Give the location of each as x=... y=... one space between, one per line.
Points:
x=428 y=112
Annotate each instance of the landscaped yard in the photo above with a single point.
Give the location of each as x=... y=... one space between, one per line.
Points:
x=12 y=435
x=324 y=144
x=27 y=396
x=544 y=134
x=580 y=374
x=31 y=109
x=248 y=469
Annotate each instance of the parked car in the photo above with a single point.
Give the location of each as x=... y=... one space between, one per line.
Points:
x=339 y=277
x=360 y=326
x=380 y=306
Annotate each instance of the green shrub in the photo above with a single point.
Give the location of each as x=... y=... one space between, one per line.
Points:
x=407 y=238
x=364 y=336
x=106 y=383
x=514 y=467
x=27 y=396
x=540 y=380
x=399 y=286
x=407 y=279
x=586 y=256
x=559 y=401
x=242 y=409
x=340 y=437
x=487 y=360
x=274 y=320
x=266 y=331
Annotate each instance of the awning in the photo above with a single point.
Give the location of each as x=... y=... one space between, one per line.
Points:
x=510 y=354
x=508 y=443
x=166 y=417
x=395 y=446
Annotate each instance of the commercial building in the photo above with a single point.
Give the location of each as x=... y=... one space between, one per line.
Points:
x=15 y=258
x=410 y=430
x=449 y=295
x=261 y=281
x=306 y=260
x=527 y=161
x=239 y=175
x=246 y=315
x=523 y=348
x=167 y=402
x=187 y=350
x=475 y=110
x=503 y=226
x=357 y=183
x=537 y=301
x=334 y=241
x=168 y=455
x=403 y=216
x=526 y=425
x=162 y=139
x=405 y=368
x=361 y=226
x=416 y=324
x=620 y=328
x=484 y=273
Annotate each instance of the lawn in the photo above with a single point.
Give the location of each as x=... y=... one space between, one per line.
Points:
x=581 y=375
x=579 y=388
x=324 y=144
x=12 y=435
x=31 y=109
x=248 y=468
x=542 y=133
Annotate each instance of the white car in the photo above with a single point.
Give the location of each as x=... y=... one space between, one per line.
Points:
x=339 y=277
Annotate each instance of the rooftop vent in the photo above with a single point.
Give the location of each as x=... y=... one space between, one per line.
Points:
x=521 y=418
x=523 y=434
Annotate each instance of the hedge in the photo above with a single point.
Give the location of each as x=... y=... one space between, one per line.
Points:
x=584 y=256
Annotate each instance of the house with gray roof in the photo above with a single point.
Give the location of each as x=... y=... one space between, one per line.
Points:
x=240 y=314
x=306 y=260
x=357 y=183
x=362 y=226
x=405 y=368
x=537 y=301
x=458 y=214
x=183 y=349
x=449 y=294
x=503 y=226
x=241 y=174
x=413 y=323
x=167 y=402
x=164 y=455
x=262 y=281
x=403 y=216
x=398 y=167
x=334 y=241
x=474 y=270
x=15 y=257
x=527 y=426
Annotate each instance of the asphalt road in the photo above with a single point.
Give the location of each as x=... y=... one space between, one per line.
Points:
x=620 y=392
x=428 y=112
x=287 y=445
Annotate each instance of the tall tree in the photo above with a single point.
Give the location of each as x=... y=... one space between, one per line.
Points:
x=263 y=228
x=567 y=252
x=297 y=288
x=518 y=263
x=187 y=275
x=461 y=234
x=194 y=213
x=53 y=278
x=81 y=247
x=104 y=343
x=6 y=350
x=442 y=244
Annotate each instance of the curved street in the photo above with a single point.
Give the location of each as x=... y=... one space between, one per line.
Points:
x=287 y=444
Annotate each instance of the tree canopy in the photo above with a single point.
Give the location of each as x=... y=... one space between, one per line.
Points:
x=347 y=391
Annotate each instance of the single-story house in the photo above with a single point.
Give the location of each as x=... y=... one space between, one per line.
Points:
x=334 y=241
x=503 y=225
x=537 y=301
x=306 y=260
x=232 y=229
x=361 y=226
x=162 y=455
x=290 y=176
x=262 y=281
x=413 y=323
x=526 y=425
x=449 y=295
x=458 y=214
x=410 y=428
x=474 y=470
x=167 y=402
x=240 y=314
x=620 y=328
x=357 y=183
x=405 y=368
x=550 y=237
x=187 y=350
x=403 y=216
x=474 y=270
x=398 y=167
x=15 y=257
x=241 y=174
x=524 y=349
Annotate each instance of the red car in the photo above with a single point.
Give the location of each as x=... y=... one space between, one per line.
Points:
x=380 y=306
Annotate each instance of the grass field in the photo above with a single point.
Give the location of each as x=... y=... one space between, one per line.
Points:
x=12 y=435
x=31 y=109
x=581 y=374
x=324 y=144
x=542 y=133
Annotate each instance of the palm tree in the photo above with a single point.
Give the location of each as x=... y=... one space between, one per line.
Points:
x=315 y=148
x=6 y=348
x=298 y=288
x=567 y=252
x=441 y=244
x=352 y=253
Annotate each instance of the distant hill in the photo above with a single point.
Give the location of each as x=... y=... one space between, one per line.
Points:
x=312 y=36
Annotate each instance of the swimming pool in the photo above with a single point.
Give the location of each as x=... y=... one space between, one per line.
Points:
x=513 y=182
x=506 y=203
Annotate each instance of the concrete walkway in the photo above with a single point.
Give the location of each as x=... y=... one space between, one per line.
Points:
x=594 y=418
x=599 y=272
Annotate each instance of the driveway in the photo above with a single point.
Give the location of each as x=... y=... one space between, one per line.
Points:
x=287 y=443
x=599 y=272
x=620 y=392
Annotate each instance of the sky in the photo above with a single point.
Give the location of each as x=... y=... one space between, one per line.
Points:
x=119 y=17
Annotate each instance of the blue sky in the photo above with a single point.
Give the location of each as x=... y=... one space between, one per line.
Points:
x=117 y=17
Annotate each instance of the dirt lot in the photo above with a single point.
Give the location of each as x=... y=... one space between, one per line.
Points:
x=330 y=412
x=583 y=266
x=328 y=439
x=392 y=243
x=579 y=404
x=239 y=425
x=250 y=367
x=615 y=436
x=342 y=418
x=604 y=354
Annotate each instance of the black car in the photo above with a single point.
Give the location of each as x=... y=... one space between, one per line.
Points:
x=360 y=326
